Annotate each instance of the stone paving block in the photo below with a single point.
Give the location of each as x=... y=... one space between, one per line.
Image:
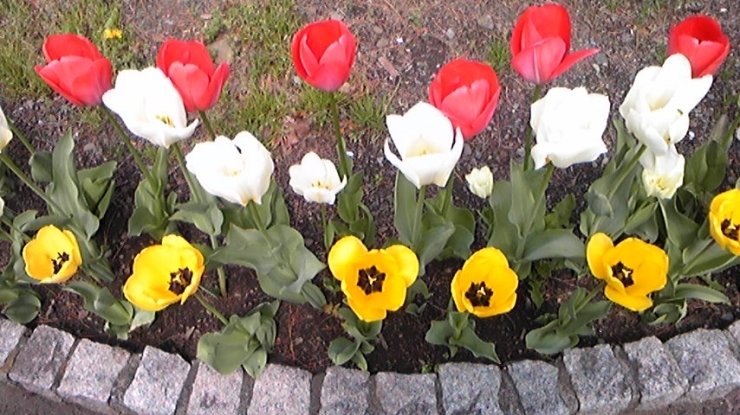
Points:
x=599 y=380
x=157 y=383
x=39 y=363
x=470 y=388
x=345 y=391
x=660 y=380
x=91 y=372
x=707 y=361
x=214 y=393
x=10 y=336
x=281 y=390
x=406 y=394
x=539 y=390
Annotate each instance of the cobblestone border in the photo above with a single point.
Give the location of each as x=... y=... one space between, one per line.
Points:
x=647 y=375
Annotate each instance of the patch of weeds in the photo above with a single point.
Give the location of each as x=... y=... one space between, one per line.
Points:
x=498 y=54
x=366 y=113
x=262 y=113
x=214 y=27
x=316 y=104
x=22 y=41
x=612 y=5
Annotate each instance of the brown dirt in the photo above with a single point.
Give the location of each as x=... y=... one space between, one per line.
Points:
x=401 y=45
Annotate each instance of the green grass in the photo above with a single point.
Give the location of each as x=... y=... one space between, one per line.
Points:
x=498 y=55
x=22 y=41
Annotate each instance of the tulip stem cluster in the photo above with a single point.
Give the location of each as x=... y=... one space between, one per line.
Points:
x=528 y=135
x=18 y=133
x=30 y=183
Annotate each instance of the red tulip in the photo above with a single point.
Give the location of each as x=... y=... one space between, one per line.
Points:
x=540 y=44
x=701 y=40
x=76 y=69
x=467 y=93
x=323 y=54
x=191 y=69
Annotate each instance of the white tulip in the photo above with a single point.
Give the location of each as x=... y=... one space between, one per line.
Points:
x=427 y=143
x=5 y=133
x=568 y=125
x=662 y=175
x=480 y=182
x=316 y=179
x=656 y=108
x=237 y=170
x=150 y=106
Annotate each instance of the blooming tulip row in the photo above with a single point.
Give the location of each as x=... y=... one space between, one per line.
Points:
x=425 y=144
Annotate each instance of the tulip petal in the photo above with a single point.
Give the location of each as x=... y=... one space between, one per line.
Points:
x=537 y=63
x=342 y=256
x=597 y=247
x=634 y=303
x=408 y=263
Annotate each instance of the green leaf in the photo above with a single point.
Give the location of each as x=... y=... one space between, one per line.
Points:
x=255 y=363
x=96 y=184
x=681 y=230
x=704 y=257
x=207 y=217
x=24 y=308
x=439 y=332
x=475 y=345
x=341 y=350
x=560 y=215
x=432 y=243
x=599 y=204
x=40 y=163
x=504 y=234
x=700 y=292
x=101 y=302
x=553 y=243
x=224 y=352
x=404 y=208
x=549 y=341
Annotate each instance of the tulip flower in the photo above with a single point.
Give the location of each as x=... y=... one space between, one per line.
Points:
x=237 y=170
x=191 y=70
x=5 y=133
x=662 y=175
x=632 y=269
x=724 y=220
x=701 y=40
x=480 y=182
x=164 y=274
x=467 y=93
x=323 y=54
x=316 y=179
x=150 y=106
x=75 y=69
x=427 y=143
x=656 y=108
x=568 y=125
x=485 y=286
x=540 y=44
x=53 y=256
x=374 y=281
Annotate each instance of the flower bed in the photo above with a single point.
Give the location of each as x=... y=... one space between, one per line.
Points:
x=647 y=228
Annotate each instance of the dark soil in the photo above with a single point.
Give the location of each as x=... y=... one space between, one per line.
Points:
x=401 y=46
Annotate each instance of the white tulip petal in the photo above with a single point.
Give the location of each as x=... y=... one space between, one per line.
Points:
x=5 y=134
x=316 y=179
x=404 y=168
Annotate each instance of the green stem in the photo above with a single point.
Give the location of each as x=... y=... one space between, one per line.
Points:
x=529 y=133
x=12 y=226
x=211 y=309
x=30 y=183
x=127 y=143
x=31 y=149
x=447 y=195
x=421 y=197
x=327 y=241
x=207 y=124
x=220 y=270
x=344 y=168
x=541 y=193
x=257 y=217
x=194 y=191
x=625 y=171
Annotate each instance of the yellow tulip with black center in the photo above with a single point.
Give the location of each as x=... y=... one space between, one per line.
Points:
x=164 y=274
x=724 y=220
x=374 y=281
x=632 y=269
x=485 y=286
x=53 y=256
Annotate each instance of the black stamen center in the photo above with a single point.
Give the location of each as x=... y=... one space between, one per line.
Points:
x=729 y=229
x=57 y=263
x=479 y=295
x=180 y=280
x=371 y=280
x=623 y=274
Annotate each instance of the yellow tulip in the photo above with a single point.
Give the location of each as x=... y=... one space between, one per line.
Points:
x=53 y=256
x=724 y=220
x=485 y=286
x=164 y=274
x=632 y=270
x=374 y=281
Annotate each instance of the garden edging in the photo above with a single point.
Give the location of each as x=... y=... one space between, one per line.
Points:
x=690 y=369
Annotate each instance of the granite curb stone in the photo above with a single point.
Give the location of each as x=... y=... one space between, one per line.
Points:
x=400 y=394
x=281 y=390
x=470 y=388
x=86 y=381
x=535 y=382
x=605 y=379
x=157 y=384
x=11 y=336
x=599 y=380
x=345 y=391
x=708 y=362
x=39 y=364
x=659 y=378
